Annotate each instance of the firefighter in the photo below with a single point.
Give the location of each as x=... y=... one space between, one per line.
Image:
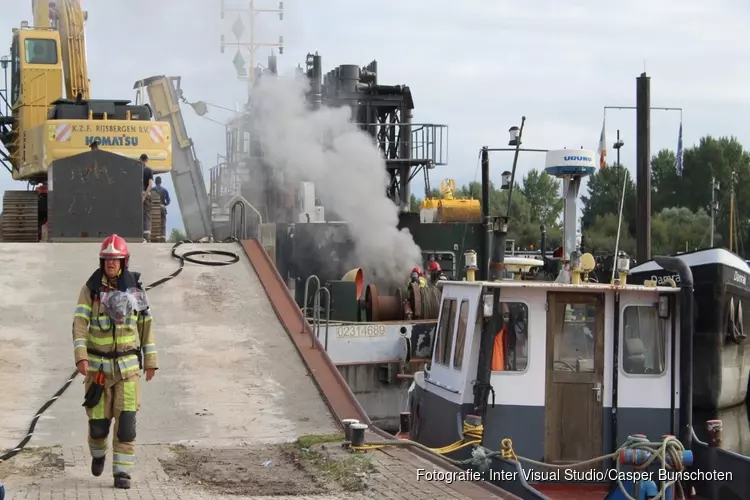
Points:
x=112 y=342
x=436 y=273
x=416 y=277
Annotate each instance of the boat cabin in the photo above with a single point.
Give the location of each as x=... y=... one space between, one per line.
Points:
x=574 y=368
x=722 y=292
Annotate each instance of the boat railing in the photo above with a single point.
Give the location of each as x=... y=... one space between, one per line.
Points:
x=238 y=225
x=317 y=310
x=709 y=457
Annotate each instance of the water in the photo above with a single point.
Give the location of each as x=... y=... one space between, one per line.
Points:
x=736 y=426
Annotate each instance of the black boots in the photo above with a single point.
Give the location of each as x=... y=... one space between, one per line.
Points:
x=122 y=481
x=97 y=466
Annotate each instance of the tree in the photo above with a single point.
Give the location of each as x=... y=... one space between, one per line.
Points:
x=677 y=229
x=715 y=158
x=176 y=235
x=665 y=184
x=542 y=191
x=601 y=236
x=604 y=195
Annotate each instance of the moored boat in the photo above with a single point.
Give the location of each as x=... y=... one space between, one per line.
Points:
x=571 y=389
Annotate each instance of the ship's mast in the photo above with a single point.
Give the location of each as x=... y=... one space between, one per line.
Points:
x=714 y=207
x=251 y=45
x=731 y=210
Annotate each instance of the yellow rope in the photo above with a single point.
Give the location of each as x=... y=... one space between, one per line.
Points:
x=507 y=450
x=472 y=434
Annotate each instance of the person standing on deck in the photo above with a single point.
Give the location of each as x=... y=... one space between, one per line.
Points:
x=112 y=342
x=164 y=197
x=416 y=277
x=500 y=344
x=148 y=183
x=436 y=273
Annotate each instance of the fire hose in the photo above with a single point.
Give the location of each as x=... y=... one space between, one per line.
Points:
x=188 y=256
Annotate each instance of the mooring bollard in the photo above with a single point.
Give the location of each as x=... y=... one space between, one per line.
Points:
x=715 y=440
x=358 y=434
x=473 y=419
x=404 y=422
x=715 y=430
x=347 y=425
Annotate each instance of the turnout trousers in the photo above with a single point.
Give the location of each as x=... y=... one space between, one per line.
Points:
x=120 y=402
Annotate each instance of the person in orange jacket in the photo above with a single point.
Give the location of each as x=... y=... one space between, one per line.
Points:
x=499 y=356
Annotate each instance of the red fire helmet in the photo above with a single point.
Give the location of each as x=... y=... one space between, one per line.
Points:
x=114 y=247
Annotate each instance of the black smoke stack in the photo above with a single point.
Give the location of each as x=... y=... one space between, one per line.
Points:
x=317 y=81
x=492 y=325
x=499 y=227
x=643 y=166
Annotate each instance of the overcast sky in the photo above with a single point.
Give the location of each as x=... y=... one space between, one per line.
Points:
x=474 y=65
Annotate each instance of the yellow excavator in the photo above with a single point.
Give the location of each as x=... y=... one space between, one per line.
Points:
x=79 y=156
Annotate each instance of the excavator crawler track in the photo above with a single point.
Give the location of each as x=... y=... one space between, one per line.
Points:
x=20 y=217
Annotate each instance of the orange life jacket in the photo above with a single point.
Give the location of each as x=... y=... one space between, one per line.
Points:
x=498 y=352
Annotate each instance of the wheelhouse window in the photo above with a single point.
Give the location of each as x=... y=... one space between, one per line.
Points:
x=575 y=337
x=644 y=342
x=463 y=319
x=445 y=332
x=40 y=51
x=511 y=347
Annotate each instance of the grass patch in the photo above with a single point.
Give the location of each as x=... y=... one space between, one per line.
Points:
x=310 y=440
x=348 y=470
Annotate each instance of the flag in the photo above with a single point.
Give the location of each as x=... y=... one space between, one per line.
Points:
x=602 y=150
x=678 y=160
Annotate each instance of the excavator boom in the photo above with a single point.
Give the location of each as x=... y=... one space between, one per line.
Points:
x=164 y=94
x=68 y=18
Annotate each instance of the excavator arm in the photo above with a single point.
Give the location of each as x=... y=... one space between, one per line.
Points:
x=164 y=95
x=68 y=18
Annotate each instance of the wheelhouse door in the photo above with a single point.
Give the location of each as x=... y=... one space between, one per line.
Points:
x=574 y=376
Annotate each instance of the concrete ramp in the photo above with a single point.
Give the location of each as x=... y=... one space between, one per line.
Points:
x=229 y=371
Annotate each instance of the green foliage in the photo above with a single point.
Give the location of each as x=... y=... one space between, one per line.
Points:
x=544 y=195
x=176 y=235
x=680 y=205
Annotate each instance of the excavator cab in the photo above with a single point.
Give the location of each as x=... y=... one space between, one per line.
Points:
x=36 y=81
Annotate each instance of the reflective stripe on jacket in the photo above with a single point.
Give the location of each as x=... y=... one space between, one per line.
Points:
x=94 y=330
x=422 y=282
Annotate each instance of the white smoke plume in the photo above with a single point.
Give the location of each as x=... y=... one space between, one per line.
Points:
x=325 y=147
